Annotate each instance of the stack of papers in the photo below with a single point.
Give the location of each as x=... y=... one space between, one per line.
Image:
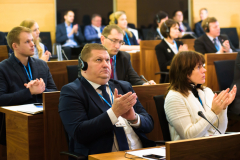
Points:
x=156 y=151
x=27 y=108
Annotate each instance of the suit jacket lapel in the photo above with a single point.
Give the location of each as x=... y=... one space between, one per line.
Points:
x=18 y=69
x=113 y=86
x=94 y=95
x=167 y=47
x=210 y=44
x=34 y=68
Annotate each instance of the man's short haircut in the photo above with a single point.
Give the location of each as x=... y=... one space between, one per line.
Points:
x=95 y=15
x=203 y=9
x=107 y=30
x=207 y=21
x=174 y=13
x=13 y=35
x=165 y=27
x=66 y=12
x=87 y=49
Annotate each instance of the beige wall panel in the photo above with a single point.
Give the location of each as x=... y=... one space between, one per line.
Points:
x=226 y=11
x=43 y=12
x=130 y=7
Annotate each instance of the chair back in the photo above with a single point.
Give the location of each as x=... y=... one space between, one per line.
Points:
x=159 y=101
x=46 y=40
x=225 y=73
x=232 y=35
x=72 y=72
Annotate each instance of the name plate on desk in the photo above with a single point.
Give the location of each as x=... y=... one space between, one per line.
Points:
x=27 y=108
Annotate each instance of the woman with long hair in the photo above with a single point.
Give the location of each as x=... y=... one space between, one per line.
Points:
x=187 y=96
x=40 y=50
x=119 y=18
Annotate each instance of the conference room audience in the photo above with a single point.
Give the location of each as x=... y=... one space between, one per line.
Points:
x=198 y=26
x=120 y=18
x=23 y=78
x=212 y=41
x=93 y=32
x=40 y=50
x=112 y=39
x=187 y=96
x=101 y=114
x=168 y=47
x=178 y=17
x=155 y=33
x=70 y=36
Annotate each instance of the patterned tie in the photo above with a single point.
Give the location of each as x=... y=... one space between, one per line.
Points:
x=119 y=131
x=112 y=68
x=215 y=44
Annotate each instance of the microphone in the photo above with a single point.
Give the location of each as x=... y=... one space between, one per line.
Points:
x=200 y=113
x=142 y=77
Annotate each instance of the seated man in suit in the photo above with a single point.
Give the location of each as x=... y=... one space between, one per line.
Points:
x=70 y=36
x=100 y=114
x=23 y=79
x=198 y=26
x=183 y=27
x=212 y=41
x=93 y=32
x=112 y=39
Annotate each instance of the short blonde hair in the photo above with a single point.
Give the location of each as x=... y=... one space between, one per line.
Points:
x=13 y=35
x=115 y=16
x=87 y=49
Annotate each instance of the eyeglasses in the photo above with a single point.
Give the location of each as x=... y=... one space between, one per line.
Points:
x=116 y=41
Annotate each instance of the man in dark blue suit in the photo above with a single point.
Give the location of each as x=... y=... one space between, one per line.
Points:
x=93 y=32
x=198 y=26
x=23 y=79
x=69 y=35
x=102 y=115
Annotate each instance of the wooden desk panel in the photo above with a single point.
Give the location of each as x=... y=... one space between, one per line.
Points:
x=211 y=76
x=3 y=52
x=58 y=70
x=24 y=135
x=145 y=95
x=135 y=60
x=149 y=63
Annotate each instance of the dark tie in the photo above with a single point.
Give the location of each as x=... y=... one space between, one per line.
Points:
x=215 y=44
x=119 y=131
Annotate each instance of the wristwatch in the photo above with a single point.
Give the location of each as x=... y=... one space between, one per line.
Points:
x=136 y=119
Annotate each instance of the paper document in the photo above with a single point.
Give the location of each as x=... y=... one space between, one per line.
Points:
x=27 y=108
x=157 y=151
x=133 y=51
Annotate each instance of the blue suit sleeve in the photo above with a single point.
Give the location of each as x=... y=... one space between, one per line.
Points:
x=90 y=35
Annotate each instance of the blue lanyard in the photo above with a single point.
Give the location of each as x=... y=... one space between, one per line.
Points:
x=114 y=67
x=30 y=72
x=105 y=99
x=128 y=40
x=200 y=100
x=176 y=45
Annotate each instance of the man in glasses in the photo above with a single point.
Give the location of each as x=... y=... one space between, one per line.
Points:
x=112 y=39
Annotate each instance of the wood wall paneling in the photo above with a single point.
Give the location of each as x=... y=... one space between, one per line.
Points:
x=13 y=12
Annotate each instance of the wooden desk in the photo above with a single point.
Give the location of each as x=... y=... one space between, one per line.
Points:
x=3 y=52
x=58 y=70
x=148 y=59
x=24 y=135
x=145 y=95
x=135 y=60
x=212 y=147
x=211 y=77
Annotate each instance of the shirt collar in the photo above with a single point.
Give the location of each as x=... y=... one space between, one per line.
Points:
x=29 y=60
x=95 y=85
x=169 y=44
x=67 y=25
x=211 y=38
x=96 y=27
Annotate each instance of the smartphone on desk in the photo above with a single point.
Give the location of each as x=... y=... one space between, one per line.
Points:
x=154 y=156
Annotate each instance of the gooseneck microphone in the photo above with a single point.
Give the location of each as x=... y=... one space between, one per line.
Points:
x=200 y=113
x=142 y=77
